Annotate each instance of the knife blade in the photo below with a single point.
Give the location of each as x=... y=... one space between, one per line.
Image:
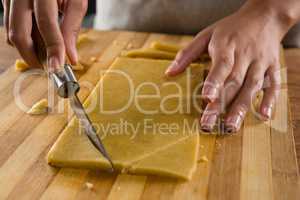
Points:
x=67 y=87
x=65 y=81
x=88 y=127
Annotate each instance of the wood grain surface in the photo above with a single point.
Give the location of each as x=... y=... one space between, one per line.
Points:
x=257 y=163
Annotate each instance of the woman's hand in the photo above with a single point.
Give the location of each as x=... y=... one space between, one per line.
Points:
x=244 y=49
x=58 y=38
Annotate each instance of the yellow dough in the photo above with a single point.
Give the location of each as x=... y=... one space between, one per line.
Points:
x=78 y=67
x=21 y=65
x=165 y=46
x=160 y=50
x=173 y=48
x=145 y=147
x=187 y=150
x=90 y=44
x=149 y=53
x=83 y=37
x=41 y=107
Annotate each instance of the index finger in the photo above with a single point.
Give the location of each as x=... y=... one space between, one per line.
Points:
x=190 y=53
x=46 y=14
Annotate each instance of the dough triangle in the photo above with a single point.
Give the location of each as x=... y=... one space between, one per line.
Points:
x=179 y=160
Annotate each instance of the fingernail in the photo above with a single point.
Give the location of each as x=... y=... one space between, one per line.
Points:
x=75 y=56
x=172 y=68
x=267 y=112
x=208 y=122
x=233 y=123
x=210 y=93
x=53 y=64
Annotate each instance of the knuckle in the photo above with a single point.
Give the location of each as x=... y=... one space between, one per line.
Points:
x=275 y=88
x=213 y=81
x=56 y=47
x=276 y=77
x=81 y=5
x=254 y=82
x=275 y=84
x=45 y=23
x=242 y=108
x=212 y=108
x=236 y=79
x=275 y=63
x=16 y=38
x=225 y=59
x=220 y=55
x=272 y=60
x=232 y=37
x=273 y=79
x=41 y=20
x=73 y=31
x=212 y=48
x=260 y=55
x=244 y=50
x=184 y=53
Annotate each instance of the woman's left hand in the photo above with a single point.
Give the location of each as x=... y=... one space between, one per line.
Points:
x=245 y=50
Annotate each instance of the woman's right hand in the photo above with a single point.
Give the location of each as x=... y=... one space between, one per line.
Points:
x=58 y=38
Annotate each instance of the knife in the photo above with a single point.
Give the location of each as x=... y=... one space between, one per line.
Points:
x=67 y=87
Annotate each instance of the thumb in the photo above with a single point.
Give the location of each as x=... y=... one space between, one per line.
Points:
x=74 y=13
x=190 y=53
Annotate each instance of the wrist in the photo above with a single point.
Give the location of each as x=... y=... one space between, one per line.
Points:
x=286 y=13
x=280 y=15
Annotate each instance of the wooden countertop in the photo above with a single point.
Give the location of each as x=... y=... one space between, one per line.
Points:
x=292 y=57
x=8 y=56
x=266 y=162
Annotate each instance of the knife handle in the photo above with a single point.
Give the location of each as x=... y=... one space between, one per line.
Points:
x=65 y=82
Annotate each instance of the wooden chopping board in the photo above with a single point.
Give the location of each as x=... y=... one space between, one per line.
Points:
x=259 y=162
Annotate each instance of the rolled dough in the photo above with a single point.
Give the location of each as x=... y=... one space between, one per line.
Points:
x=161 y=50
x=165 y=46
x=149 y=53
x=144 y=149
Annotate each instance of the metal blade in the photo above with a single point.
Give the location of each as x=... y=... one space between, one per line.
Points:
x=88 y=127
